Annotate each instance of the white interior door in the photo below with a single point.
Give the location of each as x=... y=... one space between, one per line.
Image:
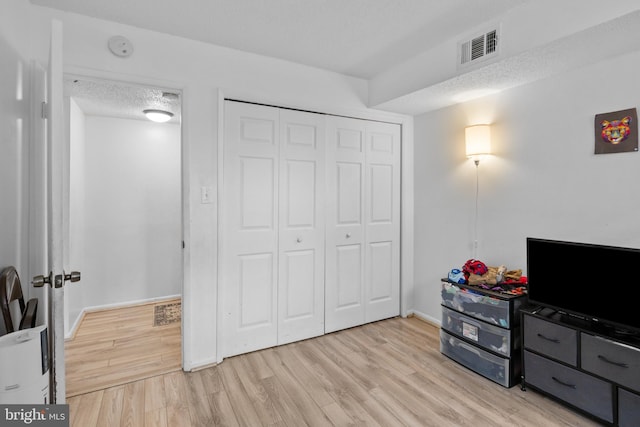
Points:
x=301 y=226
x=345 y=239
x=250 y=238
x=56 y=214
x=382 y=221
x=273 y=233
x=363 y=222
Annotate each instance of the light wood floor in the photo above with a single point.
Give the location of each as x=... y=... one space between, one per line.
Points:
x=113 y=347
x=388 y=373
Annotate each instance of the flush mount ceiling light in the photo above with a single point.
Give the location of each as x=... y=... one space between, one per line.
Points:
x=159 y=116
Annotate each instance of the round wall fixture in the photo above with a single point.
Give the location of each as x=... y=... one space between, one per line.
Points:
x=120 y=46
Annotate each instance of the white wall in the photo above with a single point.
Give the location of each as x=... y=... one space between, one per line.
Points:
x=544 y=180
x=132 y=249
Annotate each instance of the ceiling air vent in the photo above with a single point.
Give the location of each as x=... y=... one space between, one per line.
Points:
x=478 y=48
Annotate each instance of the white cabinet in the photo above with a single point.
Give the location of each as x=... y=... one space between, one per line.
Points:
x=310 y=225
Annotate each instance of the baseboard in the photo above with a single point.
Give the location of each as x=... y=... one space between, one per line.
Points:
x=72 y=332
x=425 y=317
x=200 y=365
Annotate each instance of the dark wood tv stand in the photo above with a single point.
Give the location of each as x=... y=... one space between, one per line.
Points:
x=581 y=365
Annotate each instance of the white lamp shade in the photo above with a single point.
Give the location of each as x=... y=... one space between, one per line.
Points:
x=478 y=140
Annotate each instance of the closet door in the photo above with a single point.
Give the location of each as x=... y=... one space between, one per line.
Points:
x=249 y=252
x=345 y=240
x=382 y=221
x=363 y=222
x=272 y=256
x=301 y=226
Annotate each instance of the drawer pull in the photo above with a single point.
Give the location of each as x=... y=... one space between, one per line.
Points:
x=620 y=364
x=563 y=383
x=554 y=340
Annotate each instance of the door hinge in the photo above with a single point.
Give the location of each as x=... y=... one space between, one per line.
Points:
x=44 y=112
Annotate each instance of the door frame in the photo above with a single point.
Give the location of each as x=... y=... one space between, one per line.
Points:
x=184 y=185
x=407 y=286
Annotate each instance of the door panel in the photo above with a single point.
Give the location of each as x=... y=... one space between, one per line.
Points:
x=300 y=194
x=382 y=221
x=57 y=216
x=299 y=275
x=345 y=293
x=381 y=179
x=249 y=237
x=348 y=277
x=363 y=222
x=257 y=193
x=301 y=226
x=255 y=286
x=381 y=267
x=273 y=233
x=349 y=188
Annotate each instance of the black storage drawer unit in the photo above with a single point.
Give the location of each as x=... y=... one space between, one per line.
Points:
x=628 y=408
x=591 y=368
x=480 y=330
x=555 y=341
x=574 y=387
x=617 y=361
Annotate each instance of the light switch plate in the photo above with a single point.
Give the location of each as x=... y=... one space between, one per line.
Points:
x=206 y=195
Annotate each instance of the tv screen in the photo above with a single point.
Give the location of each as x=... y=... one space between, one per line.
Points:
x=595 y=282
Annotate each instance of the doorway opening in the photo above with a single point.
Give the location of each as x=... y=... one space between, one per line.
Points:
x=123 y=322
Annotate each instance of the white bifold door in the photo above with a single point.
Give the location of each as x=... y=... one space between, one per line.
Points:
x=363 y=222
x=273 y=234
x=310 y=225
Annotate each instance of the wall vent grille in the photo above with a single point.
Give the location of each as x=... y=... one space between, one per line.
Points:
x=478 y=48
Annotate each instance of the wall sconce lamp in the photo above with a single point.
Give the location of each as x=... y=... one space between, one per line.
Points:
x=478 y=145
x=159 y=116
x=478 y=142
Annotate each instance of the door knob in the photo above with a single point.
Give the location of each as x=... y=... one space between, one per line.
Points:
x=40 y=281
x=348 y=235
x=74 y=276
x=299 y=240
x=55 y=281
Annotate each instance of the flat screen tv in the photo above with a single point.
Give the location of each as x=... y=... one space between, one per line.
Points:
x=596 y=283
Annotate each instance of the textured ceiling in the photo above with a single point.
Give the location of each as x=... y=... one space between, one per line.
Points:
x=369 y=39
x=360 y=38
x=114 y=99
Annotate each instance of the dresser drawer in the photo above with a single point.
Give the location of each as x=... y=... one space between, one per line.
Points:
x=576 y=388
x=628 y=409
x=551 y=339
x=499 y=369
x=612 y=360
x=487 y=336
x=501 y=312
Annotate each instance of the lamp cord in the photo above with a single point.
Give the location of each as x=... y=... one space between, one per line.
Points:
x=475 y=225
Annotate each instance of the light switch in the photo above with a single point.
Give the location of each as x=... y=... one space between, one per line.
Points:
x=206 y=195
